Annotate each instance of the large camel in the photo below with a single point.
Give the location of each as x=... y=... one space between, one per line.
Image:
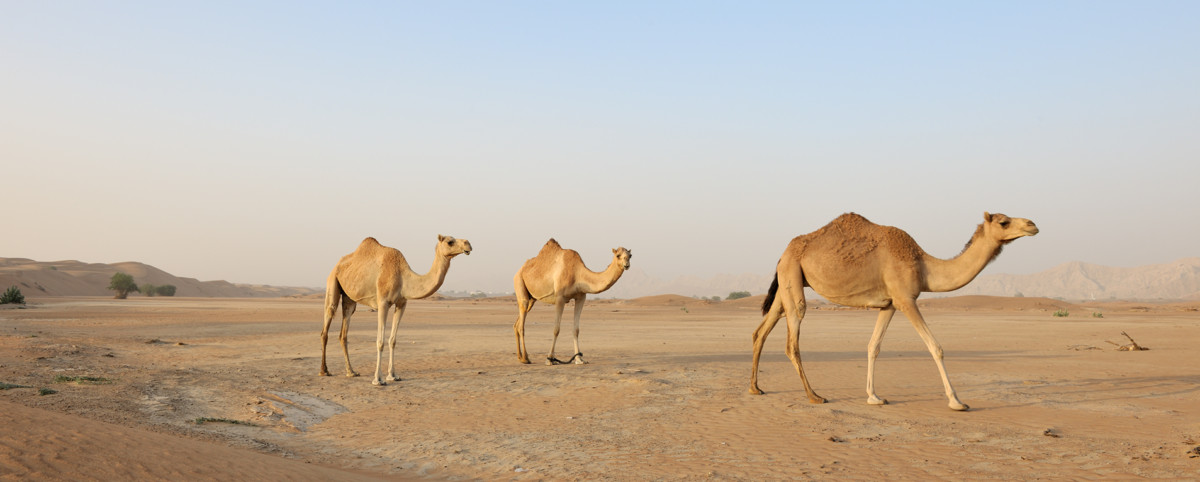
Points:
x=557 y=275
x=379 y=277
x=854 y=262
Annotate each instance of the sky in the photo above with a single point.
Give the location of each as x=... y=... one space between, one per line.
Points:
x=257 y=142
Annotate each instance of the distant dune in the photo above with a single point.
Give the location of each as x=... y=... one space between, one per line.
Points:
x=75 y=278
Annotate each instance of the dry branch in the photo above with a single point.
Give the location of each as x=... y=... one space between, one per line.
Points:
x=1132 y=346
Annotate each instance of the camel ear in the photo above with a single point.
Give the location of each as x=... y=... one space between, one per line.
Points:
x=987 y=217
x=441 y=238
x=614 y=250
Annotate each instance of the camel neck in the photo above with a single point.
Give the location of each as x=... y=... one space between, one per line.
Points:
x=948 y=275
x=417 y=286
x=596 y=282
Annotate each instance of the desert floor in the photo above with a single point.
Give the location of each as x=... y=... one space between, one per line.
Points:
x=663 y=397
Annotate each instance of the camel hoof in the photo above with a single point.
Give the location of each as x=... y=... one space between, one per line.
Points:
x=378 y=383
x=391 y=378
x=550 y=361
x=961 y=407
x=580 y=361
x=324 y=374
x=756 y=391
x=815 y=400
x=351 y=374
x=877 y=401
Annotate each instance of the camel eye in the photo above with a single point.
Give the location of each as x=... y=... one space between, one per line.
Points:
x=451 y=242
x=1004 y=223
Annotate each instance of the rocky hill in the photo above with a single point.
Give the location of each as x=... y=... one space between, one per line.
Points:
x=75 y=278
x=1178 y=280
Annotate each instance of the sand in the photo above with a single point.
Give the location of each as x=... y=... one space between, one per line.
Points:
x=664 y=396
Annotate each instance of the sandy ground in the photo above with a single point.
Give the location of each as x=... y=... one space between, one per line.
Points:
x=664 y=396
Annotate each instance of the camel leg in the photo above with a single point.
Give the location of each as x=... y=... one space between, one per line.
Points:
x=909 y=307
x=558 y=311
x=524 y=303
x=331 y=304
x=383 y=312
x=881 y=324
x=348 y=307
x=795 y=306
x=391 y=377
x=578 y=311
x=760 y=338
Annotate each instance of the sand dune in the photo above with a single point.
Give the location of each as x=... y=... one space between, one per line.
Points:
x=75 y=278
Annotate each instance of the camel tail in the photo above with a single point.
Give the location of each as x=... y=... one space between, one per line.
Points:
x=771 y=294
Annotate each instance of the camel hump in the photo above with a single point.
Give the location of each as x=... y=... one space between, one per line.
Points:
x=551 y=246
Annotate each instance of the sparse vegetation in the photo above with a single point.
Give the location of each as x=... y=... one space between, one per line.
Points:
x=147 y=289
x=204 y=420
x=81 y=380
x=9 y=386
x=737 y=295
x=1097 y=314
x=715 y=299
x=165 y=290
x=12 y=295
x=46 y=391
x=1062 y=313
x=123 y=284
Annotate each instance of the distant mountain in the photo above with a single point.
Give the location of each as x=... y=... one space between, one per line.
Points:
x=1074 y=281
x=75 y=278
x=1083 y=281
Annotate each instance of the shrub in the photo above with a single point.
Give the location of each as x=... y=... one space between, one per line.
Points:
x=12 y=295
x=148 y=289
x=1097 y=314
x=165 y=290
x=736 y=295
x=123 y=284
x=1062 y=313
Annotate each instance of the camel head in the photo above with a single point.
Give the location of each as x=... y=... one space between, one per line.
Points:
x=1005 y=229
x=450 y=247
x=621 y=257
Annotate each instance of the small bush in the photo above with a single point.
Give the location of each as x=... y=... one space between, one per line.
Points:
x=12 y=295
x=81 y=380
x=10 y=386
x=165 y=290
x=46 y=391
x=148 y=289
x=204 y=420
x=1097 y=314
x=737 y=295
x=123 y=284
x=1062 y=313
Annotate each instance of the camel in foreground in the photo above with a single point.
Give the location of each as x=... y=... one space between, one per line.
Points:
x=557 y=275
x=379 y=277
x=854 y=262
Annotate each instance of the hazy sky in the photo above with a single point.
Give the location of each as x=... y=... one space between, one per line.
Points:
x=257 y=142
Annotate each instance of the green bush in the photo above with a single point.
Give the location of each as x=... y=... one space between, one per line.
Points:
x=1062 y=313
x=148 y=289
x=13 y=295
x=165 y=290
x=738 y=295
x=123 y=284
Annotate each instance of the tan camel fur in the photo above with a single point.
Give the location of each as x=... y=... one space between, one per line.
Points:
x=854 y=262
x=379 y=277
x=557 y=275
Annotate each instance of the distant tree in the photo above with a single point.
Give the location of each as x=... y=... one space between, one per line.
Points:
x=715 y=298
x=165 y=290
x=1019 y=295
x=13 y=295
x=123 y=284
x=737 y=295
x=148 y=289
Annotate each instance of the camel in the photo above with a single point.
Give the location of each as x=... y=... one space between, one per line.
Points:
x=379 y=277
x=854 y=262
x=557 y=275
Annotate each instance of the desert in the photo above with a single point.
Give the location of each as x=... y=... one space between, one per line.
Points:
x=228 y=388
